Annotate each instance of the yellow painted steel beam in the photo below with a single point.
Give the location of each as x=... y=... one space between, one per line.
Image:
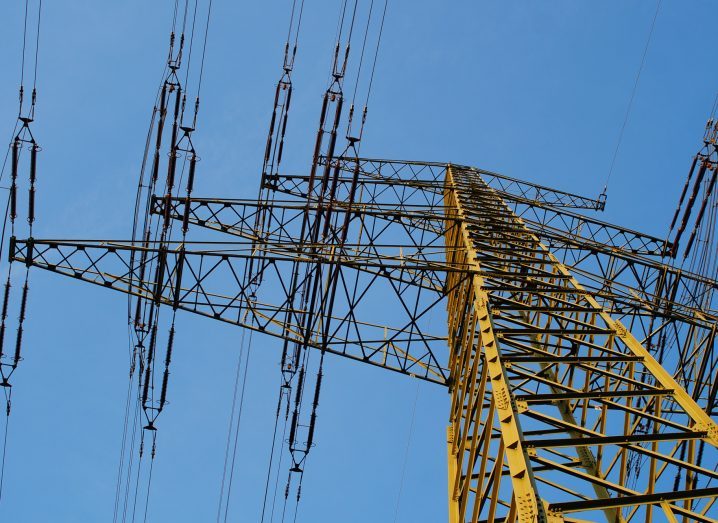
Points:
x=482 y=337
x=604 y=406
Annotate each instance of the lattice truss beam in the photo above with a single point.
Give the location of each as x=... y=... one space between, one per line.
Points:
x=581 y=315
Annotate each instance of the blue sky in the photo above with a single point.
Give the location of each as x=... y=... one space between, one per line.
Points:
x=536 y=90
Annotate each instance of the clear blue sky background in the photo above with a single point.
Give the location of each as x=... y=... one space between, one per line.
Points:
x=533 y=89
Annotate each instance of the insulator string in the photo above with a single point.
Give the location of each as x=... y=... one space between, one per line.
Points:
x=314 y=286
x=152 y=351
x=272 y=161
x=22 y=143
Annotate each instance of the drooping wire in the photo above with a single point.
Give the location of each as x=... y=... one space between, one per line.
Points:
x=191 y=44
x=4 y=443
x=22 y=64
x=280 y=403
x=149 y=486
x=201 y=68
x=337 y=39
x=37 y=55
x=234 y=431
x=237 y=379
x=359 y=69
x=131 y=454
x=361 y=53
x=279 y=468
x=135 y=494
x=373 y=68
x=631 y=98
x=371 y=76
x=204 y=45
x=406 y=454
x=120 y=467
x=299 y=496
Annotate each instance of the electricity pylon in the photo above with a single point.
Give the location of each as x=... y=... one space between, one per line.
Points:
x=581 y=363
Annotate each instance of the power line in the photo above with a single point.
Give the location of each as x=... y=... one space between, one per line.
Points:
x=204 y=51
x=633 y=95
x=406 y=453
x=237 y=379
x=4 y=448
x=37 y=52
x=237 y=426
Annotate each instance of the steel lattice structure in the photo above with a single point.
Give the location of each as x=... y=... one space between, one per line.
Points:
x=575 y=353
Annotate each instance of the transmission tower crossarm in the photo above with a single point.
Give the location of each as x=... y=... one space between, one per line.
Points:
x=236 y=217
x=212 y=286
x=505 y=185
x=568 y=229
x=543 y=215
x=555 y=223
